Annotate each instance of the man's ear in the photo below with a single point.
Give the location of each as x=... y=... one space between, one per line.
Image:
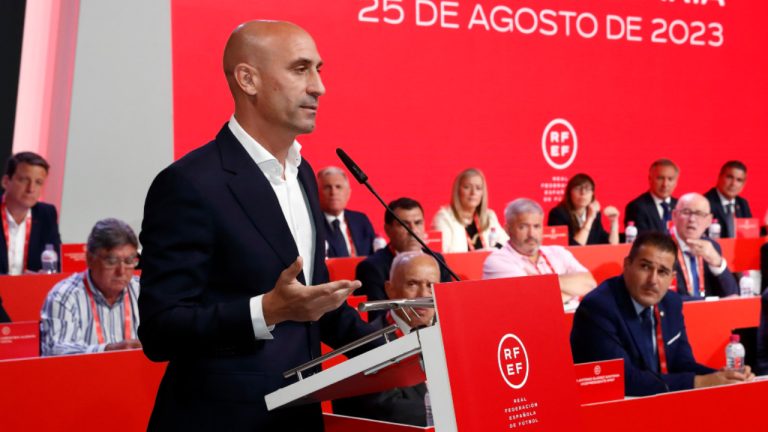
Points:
x=5 y=182
x=247 y=78
x=388 y=289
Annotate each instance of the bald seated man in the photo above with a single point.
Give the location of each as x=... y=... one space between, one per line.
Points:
x=413 y=275
x=701 y=269
x=235 y=289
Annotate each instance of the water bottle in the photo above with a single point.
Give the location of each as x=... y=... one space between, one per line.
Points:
x=50 y=260
x=714 y=230
x=428 y=408
x=630 y=232
x=734 y=355
x=746 y=284
x=493 y=238
x=379 y=243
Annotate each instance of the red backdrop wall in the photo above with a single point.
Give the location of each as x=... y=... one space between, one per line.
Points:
x=415 y=95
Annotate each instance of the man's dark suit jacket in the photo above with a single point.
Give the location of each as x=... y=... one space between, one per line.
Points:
x=718 y=211
x=45 y=230
x=597 y=234
x=3 y=314
x=642 y=211
x=399 y=405
x=761 y=357
x=362 y=234
x=721 y=286
x=764 y=267
x=214 y=236
x=374 y=271
x=606 y=327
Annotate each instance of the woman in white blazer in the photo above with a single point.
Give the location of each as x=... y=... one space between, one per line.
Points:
x=468 y=224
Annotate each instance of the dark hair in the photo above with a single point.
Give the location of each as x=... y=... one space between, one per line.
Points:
x=401 y=203
x=567 y=203
x=663 y=163
x=27 y=158
x=658 y=240
x=739 y=165
x=111 y=233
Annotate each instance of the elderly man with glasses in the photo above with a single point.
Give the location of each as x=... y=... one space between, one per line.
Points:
x=96 y=310
x=701 y=268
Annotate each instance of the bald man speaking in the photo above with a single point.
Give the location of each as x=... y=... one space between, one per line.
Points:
x=235 y=289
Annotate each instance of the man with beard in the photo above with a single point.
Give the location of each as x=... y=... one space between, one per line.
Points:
x=524 y=255
x=635 y=317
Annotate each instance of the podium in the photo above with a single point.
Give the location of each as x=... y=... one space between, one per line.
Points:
x=498 y=359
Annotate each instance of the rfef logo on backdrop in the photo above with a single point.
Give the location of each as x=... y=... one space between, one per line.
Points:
x=559 y=144
x=513 y=361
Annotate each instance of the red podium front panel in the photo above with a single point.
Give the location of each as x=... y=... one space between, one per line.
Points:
x=19 y=340
x=507 y=354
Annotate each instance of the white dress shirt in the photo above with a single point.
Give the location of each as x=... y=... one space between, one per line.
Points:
x=17 y=234
x=659 y=208
x=294 y=204
x=342 y=226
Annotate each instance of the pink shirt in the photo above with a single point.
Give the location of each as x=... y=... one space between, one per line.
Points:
x=507 y=262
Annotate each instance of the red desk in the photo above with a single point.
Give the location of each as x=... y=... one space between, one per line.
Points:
x=23 y=296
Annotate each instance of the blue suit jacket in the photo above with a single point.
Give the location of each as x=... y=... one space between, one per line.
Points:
x=606 y=327
x=718 y=212
x=721 y=286
x=362 y=234
x=642 y=211
x=214 y=236
x=45 y=230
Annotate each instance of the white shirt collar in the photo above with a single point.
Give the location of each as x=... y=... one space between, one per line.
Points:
x=680 y=243
x=12 y=222
x=723 y=200
x=330 y=218
x=658 y=200
x=265 y=160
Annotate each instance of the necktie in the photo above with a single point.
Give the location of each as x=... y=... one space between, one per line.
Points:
x=729 y=220
x=666 y=214
x=336 y=239
x=695 y=288
x=646 y=325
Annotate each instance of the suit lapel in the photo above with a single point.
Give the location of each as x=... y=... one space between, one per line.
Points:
x=309 y=184
x=657 y=220
x=256 y=197
x=627 y=309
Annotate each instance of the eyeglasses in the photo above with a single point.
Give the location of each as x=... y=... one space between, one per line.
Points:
x=584 y=189
x=696 y=214
x=111 y=261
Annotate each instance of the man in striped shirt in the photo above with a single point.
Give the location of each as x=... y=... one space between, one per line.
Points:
x=96 y=310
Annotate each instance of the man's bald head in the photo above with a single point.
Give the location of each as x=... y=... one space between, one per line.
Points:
x=273 y=72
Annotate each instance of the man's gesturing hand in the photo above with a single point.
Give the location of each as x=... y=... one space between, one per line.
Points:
x=289 y=300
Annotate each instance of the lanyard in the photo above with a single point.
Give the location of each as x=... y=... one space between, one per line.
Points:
x=546 y=261
x=399 y=332
x=683 y=259
x=351 y=245
x=660 y=341
x=97 y=322
x=470 y=243
x=6 y=232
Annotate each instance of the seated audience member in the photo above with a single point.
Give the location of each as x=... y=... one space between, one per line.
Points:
x=635 y=318
x=724 y=199
x=652 y=210
x=373 y=271
x=468 y=224
x=761 y=357
x=96 y=310
x=580 y=211
x=3 y=314
x=413 y=274
x=701 y=269
x=763 y=267
x=348 y=233
x=28 y=225
x=523 y=254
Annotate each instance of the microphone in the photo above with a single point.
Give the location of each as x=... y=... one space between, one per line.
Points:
x=360 y=176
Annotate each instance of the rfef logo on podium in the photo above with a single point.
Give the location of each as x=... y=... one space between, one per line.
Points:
x=513 y=361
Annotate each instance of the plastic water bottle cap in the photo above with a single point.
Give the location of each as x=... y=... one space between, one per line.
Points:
x=735 y=338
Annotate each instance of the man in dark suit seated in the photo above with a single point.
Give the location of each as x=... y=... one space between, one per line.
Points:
x=413 y=274
x=701 y=269
x=724 y=198
x=373 y=271
x=652 y=210
x=348 y=233
x=3 y=314
x=28 y=224
x=635 y=317
x=234 y=287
